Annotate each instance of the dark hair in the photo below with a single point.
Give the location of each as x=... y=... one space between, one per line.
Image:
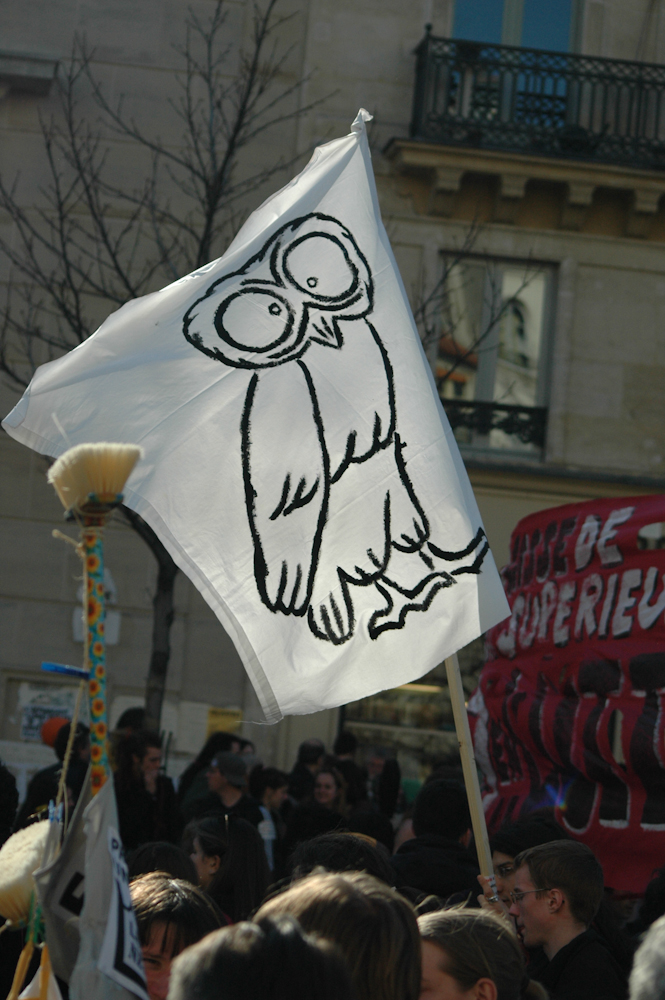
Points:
x=273 y=959
x=132 y=718
x=340 y=852
x=346 y=742
x=160 y=856
x=373 y=926
x=478 y=945
x=339 y=803
x=653 y=904
x=262 y=777
x=216 y=743
x=240 y=883
x=372 y=824
x=187 y=913
x=8 y=802
x=441 y=807
x=127 y=746
x=310 y=751
x=571 y=867
x=525 y=833
x=81 y=739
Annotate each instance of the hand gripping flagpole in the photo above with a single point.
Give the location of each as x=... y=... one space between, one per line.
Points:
x=470 y=771
x=89 y=479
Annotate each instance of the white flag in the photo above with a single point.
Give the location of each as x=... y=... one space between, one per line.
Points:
x=109 y=964
x=298 y=464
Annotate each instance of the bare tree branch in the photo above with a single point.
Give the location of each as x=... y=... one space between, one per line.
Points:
x=92 y=241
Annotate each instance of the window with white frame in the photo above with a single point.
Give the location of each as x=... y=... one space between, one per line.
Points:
x=492 y=339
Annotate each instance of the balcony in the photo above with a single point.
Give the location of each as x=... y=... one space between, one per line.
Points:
x=526 y=424
x=500 y=98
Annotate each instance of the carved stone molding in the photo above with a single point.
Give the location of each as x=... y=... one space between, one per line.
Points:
x=444 y=167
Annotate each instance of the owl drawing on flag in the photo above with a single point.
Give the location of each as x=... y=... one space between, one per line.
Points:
x=335 y=521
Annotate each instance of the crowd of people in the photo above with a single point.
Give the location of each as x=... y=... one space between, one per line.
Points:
x=249 y=883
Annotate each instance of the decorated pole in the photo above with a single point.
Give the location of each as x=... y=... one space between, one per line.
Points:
x=93 y=553
x=89 y=480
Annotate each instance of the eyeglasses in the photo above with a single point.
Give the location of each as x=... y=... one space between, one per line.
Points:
x=505 y=869
x=518 y=895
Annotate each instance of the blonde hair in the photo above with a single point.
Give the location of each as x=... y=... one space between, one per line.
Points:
x=373 y=926
x=478 y=945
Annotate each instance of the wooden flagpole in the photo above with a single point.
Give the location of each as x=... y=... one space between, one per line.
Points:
x=470 y=771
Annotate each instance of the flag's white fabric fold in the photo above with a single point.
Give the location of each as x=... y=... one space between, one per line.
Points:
x=298 y=464
x=109 y=964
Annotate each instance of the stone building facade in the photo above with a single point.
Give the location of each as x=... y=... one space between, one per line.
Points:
x=523 y=197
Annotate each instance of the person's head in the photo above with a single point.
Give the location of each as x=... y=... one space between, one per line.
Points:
x=373 y=824
x=136 y=754
x=146 y=752
x=269 y=786
x=226 y=770
x=556 y=883
x=310 y=753
x=160 y=856
x=217 y=743
x=510 y=840
x=340 y=852
x=80 y=746
x=329 y=789
x=471 y=955
x=50 y=729
x=171 y=914
x=132 y=720
x=376 y=761
x=647 y=979
x=345 y=745
x=271 y=959
x=230 y=862
x=372 y=925
x=441 y=807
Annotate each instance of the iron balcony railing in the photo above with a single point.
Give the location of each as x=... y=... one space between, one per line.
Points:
x=525 y=423
x=537 y=102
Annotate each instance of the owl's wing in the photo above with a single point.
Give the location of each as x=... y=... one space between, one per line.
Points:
x=286 y=474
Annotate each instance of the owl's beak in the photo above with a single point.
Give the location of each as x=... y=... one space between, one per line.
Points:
x=326 y=332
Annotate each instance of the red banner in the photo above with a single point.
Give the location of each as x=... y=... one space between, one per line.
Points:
x=569 y=711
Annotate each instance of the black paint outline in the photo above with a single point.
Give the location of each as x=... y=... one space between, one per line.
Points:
x=333 y=620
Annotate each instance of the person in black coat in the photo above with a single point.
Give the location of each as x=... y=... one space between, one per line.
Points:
x=43 y=786
x=147 y=808
x=437 y=860
x=558 y=890
x=306 y=768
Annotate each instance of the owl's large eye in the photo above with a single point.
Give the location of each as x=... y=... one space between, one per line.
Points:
x=254 y=320
x=320 y=266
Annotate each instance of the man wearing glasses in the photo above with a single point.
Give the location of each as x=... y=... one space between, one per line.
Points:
x=557 y=891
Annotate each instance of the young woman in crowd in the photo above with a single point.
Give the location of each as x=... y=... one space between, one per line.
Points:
x=171 y=914
x=330 y=790
x=472 y=955
x=230 y=862
x=374 y=928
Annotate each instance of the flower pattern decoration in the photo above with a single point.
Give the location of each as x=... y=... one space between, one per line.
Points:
x=92 y=540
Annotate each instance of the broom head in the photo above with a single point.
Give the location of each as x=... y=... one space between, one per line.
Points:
x=101 y=469
x=20 y=856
